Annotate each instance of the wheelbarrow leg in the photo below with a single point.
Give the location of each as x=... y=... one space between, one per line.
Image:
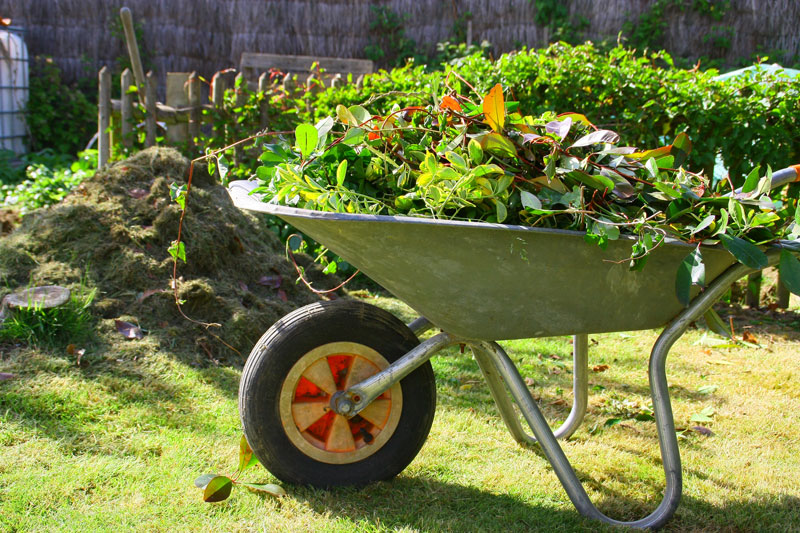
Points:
x=580 y=391
x=668 y=441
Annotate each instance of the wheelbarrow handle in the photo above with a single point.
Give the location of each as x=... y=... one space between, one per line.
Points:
x=784 y=176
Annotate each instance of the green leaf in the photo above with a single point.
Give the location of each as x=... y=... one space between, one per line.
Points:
x=475 y=152
x=361 y=115
x=341 y=172
x=177 y=250
x=203 y=480
x=704 y=415
x=345 y=116
x=323 y=127
x=502 y=213
x=745 y=252
x=218 y=489
x=751 y=181
x=457 y=161
x=306 y=139
x=330 y=268
x=530 y=200
x=267 y=488
x=691 y=271
x=707 y=389
x=496 y=144
x=595 y=181
x=178 y=194
x=681 y=148
x=246 y=457
x=353 y=136
x=652 y=167
x=715 y=324
x=789 y=268
x=224 y=166
x=706 y=222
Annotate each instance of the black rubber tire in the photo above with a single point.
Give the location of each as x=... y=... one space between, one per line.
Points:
x=284 y=344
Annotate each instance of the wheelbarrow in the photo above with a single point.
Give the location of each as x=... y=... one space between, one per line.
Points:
x=343 y=393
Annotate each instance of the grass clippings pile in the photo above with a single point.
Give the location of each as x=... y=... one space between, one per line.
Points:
x=113 y=234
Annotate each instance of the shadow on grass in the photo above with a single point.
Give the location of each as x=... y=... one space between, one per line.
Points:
x=425 y=504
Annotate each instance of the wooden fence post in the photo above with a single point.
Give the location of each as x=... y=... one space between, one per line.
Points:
x=752 y=293
x=194 y=103
x=177 y=97
x=263 y=88
x=150 y=115
x=240 y=86
x=218 y=99
x=127 y=108
x=103 y=117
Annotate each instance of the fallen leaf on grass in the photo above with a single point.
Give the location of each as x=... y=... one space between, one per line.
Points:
x=271 y=281
x=282 y=295
x=599 y=368
x=702 y=430
x=530 y=382
x=128 y=330
x=267 y=488
x=749 y=337
x=148 y=293
x=5 y=376
x=704 y=415
x=77 y=352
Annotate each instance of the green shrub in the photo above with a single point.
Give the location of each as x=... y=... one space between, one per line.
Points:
x=59 y=116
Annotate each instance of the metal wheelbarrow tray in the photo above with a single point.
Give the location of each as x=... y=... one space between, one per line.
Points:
x=352 y=388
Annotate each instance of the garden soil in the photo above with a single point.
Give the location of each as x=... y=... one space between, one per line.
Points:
x=113 y=233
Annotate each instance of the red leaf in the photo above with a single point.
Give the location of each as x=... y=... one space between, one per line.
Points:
x=128 y=330
x=749 y=337
x=282 y=295
x=600 y=368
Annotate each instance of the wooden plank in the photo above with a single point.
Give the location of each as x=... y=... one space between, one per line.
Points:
x=150 y=105
x=126 y=81
x=194 y=104
x=252 y=64
x=218 y=87
x=177 y=96
x=103 y=117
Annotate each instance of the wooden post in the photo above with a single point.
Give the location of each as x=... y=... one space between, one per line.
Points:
x=469 y=33
x=263 y=88
x=218 y=99
x=133 y=49
x=150 y=110
x=240 y=85
x=194 y=103
x=783 y=294
x=360 y=81
x=127 y=108
x=337 y=81
x=288 y=83
x=752 y=294
x=177 y=97
x=103 y=117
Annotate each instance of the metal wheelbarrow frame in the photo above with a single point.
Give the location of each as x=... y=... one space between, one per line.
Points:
x=609 y=298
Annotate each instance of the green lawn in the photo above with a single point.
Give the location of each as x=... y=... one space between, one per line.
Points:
x=115 y=444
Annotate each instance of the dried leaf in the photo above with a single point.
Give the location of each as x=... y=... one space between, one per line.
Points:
x=702 y=430
x=243 y=286
x=5 y=376
x=599 y=368
x=272 y=281
x=749 y=337
x=137 y=193
x=494 y=108
x=530 y=382
x=146 y=294
x=282 y=295
x=128 y=330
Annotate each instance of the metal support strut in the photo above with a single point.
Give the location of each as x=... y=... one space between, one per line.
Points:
x=580 y=391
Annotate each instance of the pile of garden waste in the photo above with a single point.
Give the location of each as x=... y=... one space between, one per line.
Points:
x=482 y=159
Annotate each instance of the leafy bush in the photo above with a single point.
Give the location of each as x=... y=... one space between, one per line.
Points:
x=59 y=116
x=49 y=178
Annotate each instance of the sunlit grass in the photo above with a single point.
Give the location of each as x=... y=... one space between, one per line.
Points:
x=114 y=445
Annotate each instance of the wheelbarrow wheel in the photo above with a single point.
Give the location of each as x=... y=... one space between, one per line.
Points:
x=287 y=383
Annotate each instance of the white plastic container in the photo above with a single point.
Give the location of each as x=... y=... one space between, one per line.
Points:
x=13 y=89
